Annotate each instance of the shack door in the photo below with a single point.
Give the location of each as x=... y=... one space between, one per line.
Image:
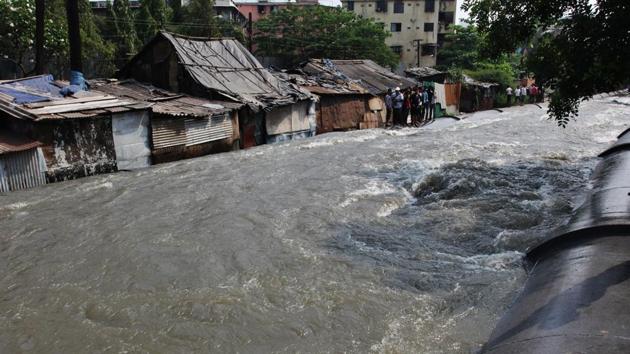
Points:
x=131 y=139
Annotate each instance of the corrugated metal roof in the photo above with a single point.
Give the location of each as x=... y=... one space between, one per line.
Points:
x=165 y=102
x=226 y=67
x=54 y=106
x=320 y=76
x=14 y=142
x=375 y=78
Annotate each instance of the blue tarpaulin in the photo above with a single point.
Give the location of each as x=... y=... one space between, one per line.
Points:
x=32 y=89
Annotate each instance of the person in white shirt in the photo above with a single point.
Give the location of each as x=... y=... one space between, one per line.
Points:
x=517 y=95
x=508 y=92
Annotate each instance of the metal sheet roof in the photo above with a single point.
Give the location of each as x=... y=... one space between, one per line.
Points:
x=225 y=66
x=53 y=105
x=13 y=142
x=165 y=102
x=323 y=78
x=372 y=76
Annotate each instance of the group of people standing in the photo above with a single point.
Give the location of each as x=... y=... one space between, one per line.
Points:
x=524 y=94
x=417 y=102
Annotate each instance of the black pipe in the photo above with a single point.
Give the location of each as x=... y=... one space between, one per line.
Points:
x=577 y=296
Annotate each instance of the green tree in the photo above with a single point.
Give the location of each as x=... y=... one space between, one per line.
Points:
x=298 y=33
x=17 y=23
x=124 y=34
x=579 y=48
x=198 y=19
x=461 y=48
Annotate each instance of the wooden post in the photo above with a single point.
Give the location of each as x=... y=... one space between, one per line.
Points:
x=250 y=43
x=74 y=35
x=40 y=7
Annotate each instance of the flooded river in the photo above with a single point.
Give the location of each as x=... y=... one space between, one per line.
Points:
x=392 y=241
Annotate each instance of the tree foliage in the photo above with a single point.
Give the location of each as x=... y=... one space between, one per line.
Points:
x=124 y=34
x=461 y=48
x=579 y=47
x=17 y=25
x=295 y=34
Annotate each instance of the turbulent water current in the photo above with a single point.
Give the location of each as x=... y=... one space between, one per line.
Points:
x=391 y=241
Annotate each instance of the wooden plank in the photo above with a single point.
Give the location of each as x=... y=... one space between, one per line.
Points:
x=79 y=107
x=68 y=100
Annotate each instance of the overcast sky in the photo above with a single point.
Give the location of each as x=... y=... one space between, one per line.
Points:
x=460 y=13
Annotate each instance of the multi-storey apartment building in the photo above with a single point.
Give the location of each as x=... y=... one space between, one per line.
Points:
x=417 y=26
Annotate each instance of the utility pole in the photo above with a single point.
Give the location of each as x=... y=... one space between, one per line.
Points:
x=40 y=7
x=417 y=44
x=250 y=31
x=74 y=35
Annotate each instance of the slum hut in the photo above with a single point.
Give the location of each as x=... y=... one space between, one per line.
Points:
x=373 y=77
x=22 y=163
x=343 y=103
x=181 y=126
x=83 y=134
x=477 y=95
x=426 y=74
x=223 y=69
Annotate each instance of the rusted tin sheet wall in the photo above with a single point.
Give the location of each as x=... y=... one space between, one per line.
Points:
x=22 y=170
x=204 y=130
x=341 y=112
x=176 y=138
x=131 y=139
x=452 y=93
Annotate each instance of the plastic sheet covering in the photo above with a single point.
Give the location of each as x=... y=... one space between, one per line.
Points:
x=131 y=140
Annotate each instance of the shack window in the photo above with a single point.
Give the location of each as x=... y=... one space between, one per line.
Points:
x=429 y=5
x=350 y=5
x=261 y=9
x=397 y=49
x=396 y=27
x=399 y=7
x=381 y=6
x=428 y=27
x=428 y=49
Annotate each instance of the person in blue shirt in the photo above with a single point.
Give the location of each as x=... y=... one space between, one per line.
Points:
x=398 y=100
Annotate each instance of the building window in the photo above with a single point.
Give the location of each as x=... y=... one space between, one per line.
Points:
x=447 y=17
x=381 y=6
x=428 y=49
x=261 y=9
x=350 y=5
x=397 y=49
x=396 y=27
x=399 y=7
x=428 y=27
x=429 y=5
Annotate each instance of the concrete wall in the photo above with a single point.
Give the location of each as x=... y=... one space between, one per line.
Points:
x=412 y=22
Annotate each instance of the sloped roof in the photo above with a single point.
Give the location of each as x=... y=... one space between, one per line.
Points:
x=39 y=98
x=165 y=102
x=225 y=66
x=423 y=71
x=470 y=81
x=375 y=78
x=13 y=142
x=321 y=77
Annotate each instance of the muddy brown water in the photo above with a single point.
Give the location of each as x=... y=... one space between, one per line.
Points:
x=391 y=241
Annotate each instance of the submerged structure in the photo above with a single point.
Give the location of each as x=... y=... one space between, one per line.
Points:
x=223 y=69
x=576 y=296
